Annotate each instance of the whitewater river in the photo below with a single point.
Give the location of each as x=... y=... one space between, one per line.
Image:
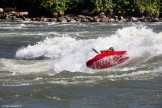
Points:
x=43 y=65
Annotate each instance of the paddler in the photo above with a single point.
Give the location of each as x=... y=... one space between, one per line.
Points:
x=111 y=49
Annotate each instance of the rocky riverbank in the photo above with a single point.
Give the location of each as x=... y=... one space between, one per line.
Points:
x=12 y=14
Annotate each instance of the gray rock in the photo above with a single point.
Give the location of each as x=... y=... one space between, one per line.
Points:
x=155 y=20
x=61 y=19
x=134 y=19
x=104 y=20
x=112 y=20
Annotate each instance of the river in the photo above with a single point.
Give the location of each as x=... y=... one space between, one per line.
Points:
x=43 y=65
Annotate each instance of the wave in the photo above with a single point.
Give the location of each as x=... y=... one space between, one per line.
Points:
x=71 y=54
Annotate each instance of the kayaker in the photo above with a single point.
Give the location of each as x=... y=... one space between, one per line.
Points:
x=111 y=49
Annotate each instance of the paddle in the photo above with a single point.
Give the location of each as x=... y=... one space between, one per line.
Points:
x=95 y=51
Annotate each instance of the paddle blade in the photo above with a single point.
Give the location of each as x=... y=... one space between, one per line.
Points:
x=95 y=51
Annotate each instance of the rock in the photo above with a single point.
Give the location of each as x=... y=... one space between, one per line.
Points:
x=73 y=20
x=55 y=14
x=24 y=14
x=61 y=19
x=33 y=19
x=14 y=13
x=134 y=19
x=148 y=19
x=84 y=20
x=53 y=19
x=143 y=19
x=46 y=19
x=129 y=19
x=121 y=18
x=116 y=18
x=104 y=20
x=61 y=14
x=5 y=16
x=68 y=18
x=9 y=9
x=81 y=16
x=155 y=20
x=112 y=20
x=38 y=19
x=20 y=19
x=27 y=19
x=102 y=16
x=91 y=19
x=96 y=19
x=101 y=13
x=13 y=18
x=2 y=16
x=42 y=18
x=1 y=10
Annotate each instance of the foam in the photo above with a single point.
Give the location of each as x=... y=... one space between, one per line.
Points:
x=71 y=54
x=24 y=66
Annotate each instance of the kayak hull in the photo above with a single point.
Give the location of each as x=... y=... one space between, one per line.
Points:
x=107 y=60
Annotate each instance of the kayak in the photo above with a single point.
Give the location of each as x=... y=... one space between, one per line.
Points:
x=107 y=60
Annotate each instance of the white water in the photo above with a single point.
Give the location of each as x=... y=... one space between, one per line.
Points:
x=71 y=54
x=36 y=71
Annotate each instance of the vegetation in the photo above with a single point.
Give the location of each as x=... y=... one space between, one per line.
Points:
x=148 y=7
x=111 y=7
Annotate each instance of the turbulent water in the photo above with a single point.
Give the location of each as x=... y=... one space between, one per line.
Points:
x=44 y=65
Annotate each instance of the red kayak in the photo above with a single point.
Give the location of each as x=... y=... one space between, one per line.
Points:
x=107 y=60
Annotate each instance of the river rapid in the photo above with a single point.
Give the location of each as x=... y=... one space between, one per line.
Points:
x=43 y=65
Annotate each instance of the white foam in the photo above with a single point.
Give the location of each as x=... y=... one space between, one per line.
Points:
x=71 y=54
x=25 y=67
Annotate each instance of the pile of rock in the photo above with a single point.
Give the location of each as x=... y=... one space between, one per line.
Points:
x=12 y=14
x=104 y=18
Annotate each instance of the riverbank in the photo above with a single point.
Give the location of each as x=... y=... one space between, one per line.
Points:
x=11 y=14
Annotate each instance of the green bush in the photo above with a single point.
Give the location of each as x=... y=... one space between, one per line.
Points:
x=148 y=7
x=123 y=7
x=59 y=6
x=113 y=7
x=103 y=5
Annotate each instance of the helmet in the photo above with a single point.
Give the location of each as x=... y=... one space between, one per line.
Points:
x=111 y=48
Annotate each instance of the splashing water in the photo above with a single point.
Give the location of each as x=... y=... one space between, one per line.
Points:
x=71 y=54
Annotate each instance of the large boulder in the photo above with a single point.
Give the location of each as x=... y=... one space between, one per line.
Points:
x=24 y=14
x=1 y=10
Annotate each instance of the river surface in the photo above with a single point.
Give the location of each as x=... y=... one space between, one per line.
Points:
x=43 y=65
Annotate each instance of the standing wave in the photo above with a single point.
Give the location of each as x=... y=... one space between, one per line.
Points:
x=71 y=54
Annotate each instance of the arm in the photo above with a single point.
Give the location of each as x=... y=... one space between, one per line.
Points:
x=102 y=51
